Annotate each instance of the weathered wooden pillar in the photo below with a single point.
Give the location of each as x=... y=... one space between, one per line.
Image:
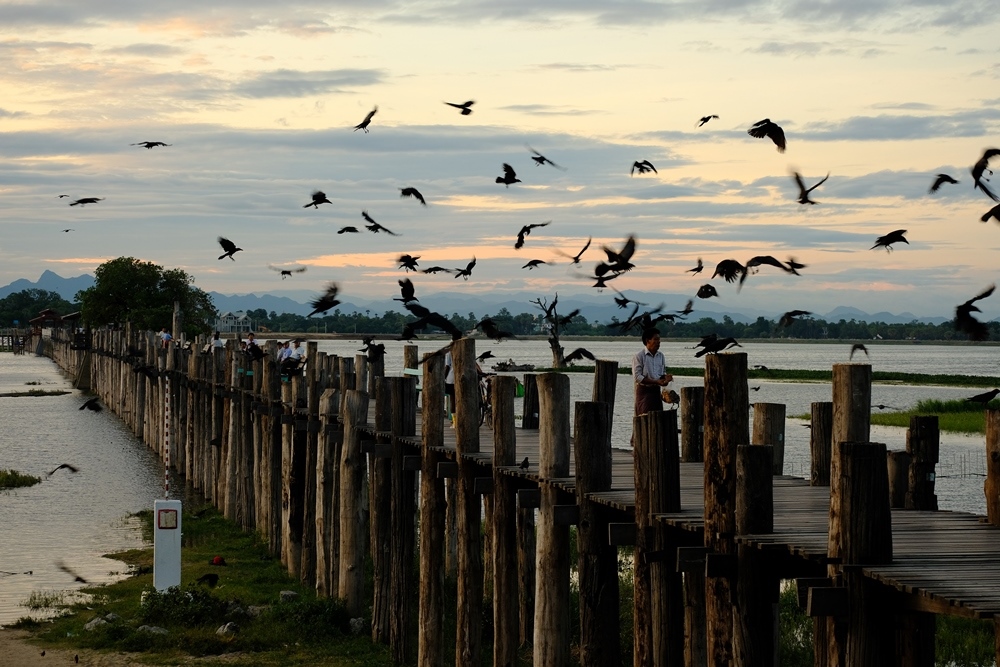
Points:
x=692 y=424
x=923 y=443
x=551 y=642
x=505 y=584
x=327 y=496
x=769 y=429
x=820 y=439
x=658 y=608
x=403 y=512
x=529 y=410
x=310 y=438
x=863 y=536
x=468 y=645
x=898 y=465
x=410 y=356
x=605 y=386
x=430 y=649
x=755 y=615
x=290 y=542
x=526 y=557
x=727 y=425
x=353 y=531
x=347 y=379
x=992 y=485
x=597 y=562
x=380 y=503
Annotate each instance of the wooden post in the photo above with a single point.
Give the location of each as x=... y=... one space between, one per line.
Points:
x=307 y=572
x=597 y=560
x=551 y=642
x=992 y=485
x=820 y=439
x=727 y=409
x=327 y=497
x=692 y=424
x=505 y=625
x=290 y=552
x=526 y=556
x=769 y=429
x=430 y=650
x=353 y=531
x=898 y=464
x=409 y=356
x=755 y=615
x=403 y=511
x=468 y=644
x=923 y=443
x=605 y=386
x=380 y=503
x=658 y=608
x=529 y=410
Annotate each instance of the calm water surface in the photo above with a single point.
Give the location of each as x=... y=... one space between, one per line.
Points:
x=76 y=518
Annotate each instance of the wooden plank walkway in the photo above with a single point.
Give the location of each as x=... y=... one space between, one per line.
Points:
x=943 y=562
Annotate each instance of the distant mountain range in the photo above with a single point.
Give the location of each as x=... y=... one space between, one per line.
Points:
x=596 y=308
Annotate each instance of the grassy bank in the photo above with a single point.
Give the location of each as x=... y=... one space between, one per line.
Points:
x=954 y=416
x=12 y=479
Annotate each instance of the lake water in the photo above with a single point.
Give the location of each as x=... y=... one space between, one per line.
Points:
x=76 y=518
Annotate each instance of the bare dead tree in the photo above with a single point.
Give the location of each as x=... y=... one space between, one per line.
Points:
x=554 y=324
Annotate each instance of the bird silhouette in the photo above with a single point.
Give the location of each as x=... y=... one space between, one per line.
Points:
x=541 y=159
x=76 y=577
x=533 y=263
x=86 y=200
x=509 y=176
x=966 y=322
x=408 y=262
x=150 y=144
x=318 y=197
x=624 y=301
x=467 y=271
x=992 y=213
x=287 y=273
x=706 y=291
x=425 y=318
x=575 y=259
x=327 y=301
x=858 y=347
x=715 y=346
x=643 y=167
x=984 y=398
x=525 y=231
x=229 y=247
x=882 y=406
x=412 y=192
x=980 y=168
x=524 y=464
x=939 y=181
x=407 y=291
x=465 y=107
x=349 y=230
x=491 y=329
x=210 y=579
x=67 y=466
x=697 y=269
x=374 y=227
x=436 y=269
x=92 y=405
x=705 y=119
x=619 y=261
x=488 y=354
x=730 y=270
x=773 y=131
x=61 y=196
x=890 y=238
x=804 y=191
x=688 y=308
x=794 y=266
x=757 y=388
x=577 y=354
x=363 y=125
x=761 y=260
x=788 y=318
x=71 y=230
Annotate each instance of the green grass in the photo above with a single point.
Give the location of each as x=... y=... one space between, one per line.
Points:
x=953 y=416
x=964 y=642
x=12 y=479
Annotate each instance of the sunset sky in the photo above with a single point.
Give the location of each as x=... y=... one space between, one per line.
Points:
x=259 y=99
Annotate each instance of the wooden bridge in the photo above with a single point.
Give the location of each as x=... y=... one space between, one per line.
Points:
x=710 y=530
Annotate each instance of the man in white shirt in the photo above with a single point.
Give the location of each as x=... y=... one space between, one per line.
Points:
x=649 y=371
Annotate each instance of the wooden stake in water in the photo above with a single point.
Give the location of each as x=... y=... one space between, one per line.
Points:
x=166 y=440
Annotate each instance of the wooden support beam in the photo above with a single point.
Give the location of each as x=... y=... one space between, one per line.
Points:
x=621 y=534
x=803 y=584
x=691 y=559
x=529 y=498
x=447 y=470
x=827 y=601
x=566 y=515
x=412 y=462
x=482 y=486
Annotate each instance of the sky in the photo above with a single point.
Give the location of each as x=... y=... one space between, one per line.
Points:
x=258 y=101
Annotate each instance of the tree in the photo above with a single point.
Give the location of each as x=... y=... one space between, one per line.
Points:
x=26 y=304
x=129 y=290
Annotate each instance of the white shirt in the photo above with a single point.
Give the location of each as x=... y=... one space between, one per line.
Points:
x=645 y=364
x=450 y=377
x=296 y=352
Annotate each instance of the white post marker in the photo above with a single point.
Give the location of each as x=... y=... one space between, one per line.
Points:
x=166 y=520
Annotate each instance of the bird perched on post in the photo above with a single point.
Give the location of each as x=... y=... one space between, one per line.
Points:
x=408 y=262
x=509 y=176
x=318 y=197
x=804 y=191
x=773 y=131
x=939 y=181
x=86 y=200
x=525 y=231
x=363 y=125
x=643 y=167
x=229 y=247
x=327 y=301
x=980 y=168
x=966 y=322
x=465 y=107
x=713 y=345
x=890 y=238
x=412 y=192
x=374 y=227
x=150 y=144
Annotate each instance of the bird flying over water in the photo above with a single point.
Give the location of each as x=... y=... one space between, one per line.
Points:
x=465 y=107
x=788 y=318
x=406 y=291
x=318 y=197
x=412 y=192
x=92 y=404
x=76 y=577
x=804 y=191
x=374 y=227
x=579 y=353
x=229 y=247
x=730 y=270
x=525 y=231
x=773 y=131
x=858 y=347
x=697 y=269
x=966 y=322
x=363 y=125
x=86 y=200
x=643 y=167
x=890 y=238
x=939 y=181
x=980 y=168
x=541 y=159
x=67 y=466
x=408 y=262
x=287 y=273
x=150 y=144
x=705 y=119
x=509 y=176
x=70 y=230
x=327 y=301
x=467 y=271
x=491 y=329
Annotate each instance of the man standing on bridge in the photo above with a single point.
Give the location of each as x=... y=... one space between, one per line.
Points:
x=649 y=370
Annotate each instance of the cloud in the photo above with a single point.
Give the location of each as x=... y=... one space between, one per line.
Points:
x=973 y=123
x=149 y=50
x=4 y=113
x=792 y=48
x=578 y=67
x=549 y=110
x=293 y=83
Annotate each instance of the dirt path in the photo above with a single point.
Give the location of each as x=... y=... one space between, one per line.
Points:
x=17 y=652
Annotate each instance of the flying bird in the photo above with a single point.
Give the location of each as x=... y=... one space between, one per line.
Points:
x=730 y=270
x=374 y=227
x=467 y=271
x=327 y=301
x=287 y=273
x=491 y=329
x=92 y=405
x=794 y=266
x=624 y=301
x=688 y=308
x=86 y=200
x=533 y=263
x=706 y=291
x=412 y=192
x=349 y=230
x=804 y=191
x=984 y=398
x=318 y=197
x=761 y=260
x=697 y=269
x=71 y=230
x=705 y=119
x=966 y=322
x=509 y=176
x=67 y=466
x=941 y=180
x=76 y=577
x=407 y=291
x=436 y=269
x=619 y=261
x=773 y=131
x=150 y=144
x=408 y=262
x=788 y=318
x=541 y=159
x=525 y=231
x=229 y=247
x=643 y=167
x=488 y=354
x=575 y=259
x=992 y=213
x=363 y=125
x=465 y=107
x=890 y=238
x=579 y=353
x=858 y=347
x=982 y=166
x=61 y=196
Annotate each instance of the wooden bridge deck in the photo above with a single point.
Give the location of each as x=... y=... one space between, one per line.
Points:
x=943 y=562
